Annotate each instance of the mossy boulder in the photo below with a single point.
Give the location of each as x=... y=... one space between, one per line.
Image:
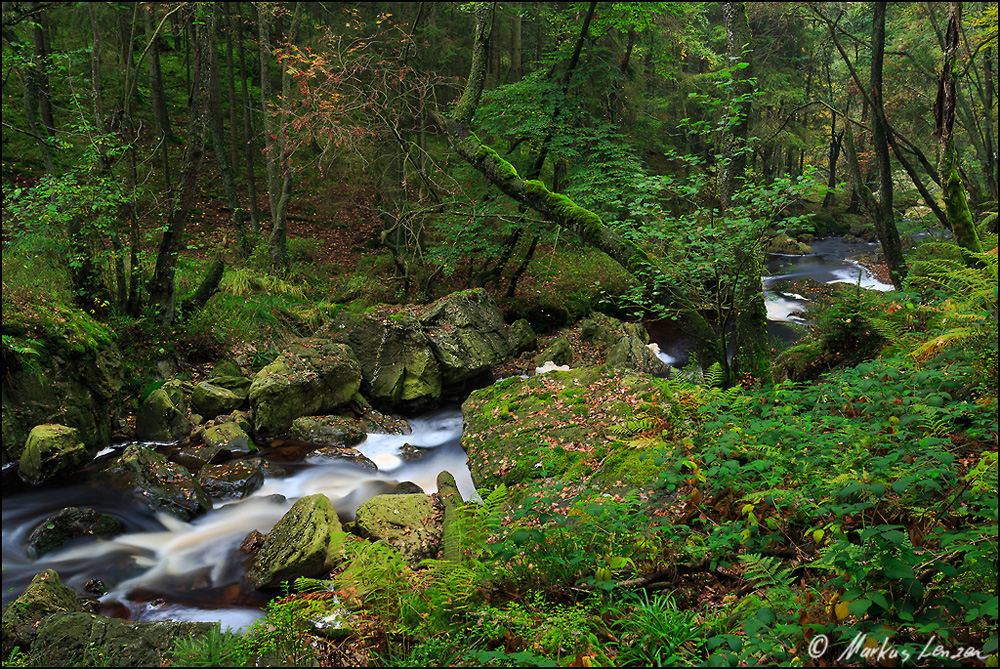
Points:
x=398 y=365
x=110 y=642
x=229 y=437
x=44 y=596
x=558 y=352
x=784 y=245
x=522 y=337
x=73 y=376
x=70 y=523
x=163 y=416
x=559 y=424
x=408 y=523
x=466 y=330
x=633 y=353
x=236 y=478
x=159 y=484
x=211 y=400
x=305 y=542
x=51 y=450
x=328 y=430
x=311 y=376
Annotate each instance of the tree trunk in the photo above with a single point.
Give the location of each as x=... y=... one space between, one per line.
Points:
x=249 y=154
x=952 y=192
x=884 y=215
x=238 y=216
x=161 y=287
x=752 y=355
x=278 y=242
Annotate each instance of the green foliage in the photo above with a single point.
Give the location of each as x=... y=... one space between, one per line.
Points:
x=215 y=649
x=655 y=633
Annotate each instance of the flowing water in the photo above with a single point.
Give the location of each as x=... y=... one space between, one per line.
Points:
x=165 y=568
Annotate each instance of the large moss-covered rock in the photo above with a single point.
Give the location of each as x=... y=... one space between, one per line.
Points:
x=785 y=245
x=44 y=596
x=159 y=484
x=211 y=400
x=110 y=642
x=406 y=522
x=229 y=437
x=560 y=424
x=467 y=333
x=70 y=523
x=311 y=376
x=75 y=381
x=398 y=365
x=163 y=416
x=51 y=450
x=305 y=542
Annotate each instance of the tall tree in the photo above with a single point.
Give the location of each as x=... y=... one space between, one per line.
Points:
x=952 y=191
x=752 y=356
x=162 y=288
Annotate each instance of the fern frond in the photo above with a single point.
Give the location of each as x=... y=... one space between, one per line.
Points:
x=714 y=376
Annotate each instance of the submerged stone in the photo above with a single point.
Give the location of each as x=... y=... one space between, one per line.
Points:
x=159 y=484
x=70 y=523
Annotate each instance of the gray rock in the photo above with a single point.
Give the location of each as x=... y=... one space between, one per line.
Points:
x=559 y=352
x=632 y=353
x=164 y=415
x=110 y=642
x=328 y=430
x=77 y=382
x=466 y=330
x=398 y=365
x=237 y=478
x=230 y=437
x=212 y=400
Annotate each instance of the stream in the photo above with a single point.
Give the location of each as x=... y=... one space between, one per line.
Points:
x=164 y=568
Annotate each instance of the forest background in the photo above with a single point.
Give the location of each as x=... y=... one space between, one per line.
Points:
x=211 y=178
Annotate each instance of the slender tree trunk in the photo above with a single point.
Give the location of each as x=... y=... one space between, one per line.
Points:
x=41 y=59
x=249 y=144
x=162 y=288
x=752 y=355
x=952 y=191
x=278 y=242
x=234 y=135
x=237 y=215
x=884 y=214
x=515 y=43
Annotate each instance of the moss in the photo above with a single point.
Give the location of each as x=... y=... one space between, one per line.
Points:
x=506 y=171
x=633 y=462
x=587 y=223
